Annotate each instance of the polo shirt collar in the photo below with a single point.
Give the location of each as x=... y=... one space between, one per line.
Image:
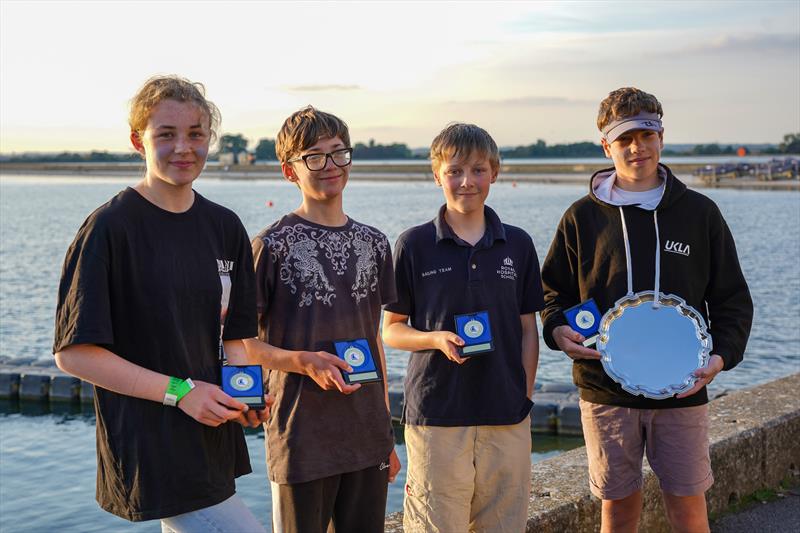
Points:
x=494 y=228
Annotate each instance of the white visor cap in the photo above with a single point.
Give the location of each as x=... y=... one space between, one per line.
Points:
x=642 y=121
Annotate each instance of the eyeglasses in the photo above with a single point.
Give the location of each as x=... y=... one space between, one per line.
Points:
x=340 y=158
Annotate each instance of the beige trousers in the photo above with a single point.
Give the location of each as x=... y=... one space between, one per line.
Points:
x=467 y=479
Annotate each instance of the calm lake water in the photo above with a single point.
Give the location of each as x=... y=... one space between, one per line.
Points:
x=47 y=472
x=669 y=160
x=47 y=461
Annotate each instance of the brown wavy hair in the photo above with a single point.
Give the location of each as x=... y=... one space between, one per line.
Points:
x=160 y=88
x=626 y=102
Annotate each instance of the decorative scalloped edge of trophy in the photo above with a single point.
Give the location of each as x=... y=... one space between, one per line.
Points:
x=665 y=300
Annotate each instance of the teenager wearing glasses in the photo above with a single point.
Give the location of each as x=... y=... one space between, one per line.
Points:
x=322 y=277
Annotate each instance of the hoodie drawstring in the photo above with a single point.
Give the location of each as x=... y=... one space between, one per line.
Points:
x=657 y=281
x=627 y=252
x=628 y=264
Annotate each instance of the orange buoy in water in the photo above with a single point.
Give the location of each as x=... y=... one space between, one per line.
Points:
x=269 y=203
x=742 y=151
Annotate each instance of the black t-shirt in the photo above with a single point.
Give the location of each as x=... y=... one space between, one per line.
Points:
x=438 y=276
x=316 y=285
x=149 y=285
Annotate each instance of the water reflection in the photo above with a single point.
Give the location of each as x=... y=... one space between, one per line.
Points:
x=47 y=460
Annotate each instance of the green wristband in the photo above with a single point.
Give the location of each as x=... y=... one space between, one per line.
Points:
x=177 y=389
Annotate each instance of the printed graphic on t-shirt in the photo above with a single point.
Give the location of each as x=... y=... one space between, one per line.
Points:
x=224 y=268
x=308 y=255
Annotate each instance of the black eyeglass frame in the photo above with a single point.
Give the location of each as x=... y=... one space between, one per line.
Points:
x=327 y=155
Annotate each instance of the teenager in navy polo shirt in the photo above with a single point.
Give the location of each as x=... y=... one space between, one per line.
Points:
x=467 y=415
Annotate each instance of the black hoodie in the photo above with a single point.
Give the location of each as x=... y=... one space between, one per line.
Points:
x=698 y=263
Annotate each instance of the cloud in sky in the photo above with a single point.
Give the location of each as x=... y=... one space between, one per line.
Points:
x=745 y=44
x=524 y=70
x=526 y=101
x=321 y=88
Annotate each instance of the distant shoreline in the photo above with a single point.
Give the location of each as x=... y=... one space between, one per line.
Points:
x=571 y=174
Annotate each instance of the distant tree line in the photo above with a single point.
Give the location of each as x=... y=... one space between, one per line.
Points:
x=236 y=143
x=372 y=150
x=541 y=150
x=230 y=143
x=74 y=157
x=790 y=144
x=705 y=149
x=265 y=150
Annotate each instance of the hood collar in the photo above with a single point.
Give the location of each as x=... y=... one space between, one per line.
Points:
x=600 y=187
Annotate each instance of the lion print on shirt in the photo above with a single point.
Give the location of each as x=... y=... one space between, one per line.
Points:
x=308 y=256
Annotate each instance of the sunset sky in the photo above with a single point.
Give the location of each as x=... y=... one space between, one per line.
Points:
x=398 y=72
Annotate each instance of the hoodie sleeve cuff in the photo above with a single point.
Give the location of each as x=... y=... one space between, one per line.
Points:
x=728 y=360
x=547 y=330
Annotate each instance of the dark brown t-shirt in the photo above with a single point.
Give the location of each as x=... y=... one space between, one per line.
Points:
x=315 y=285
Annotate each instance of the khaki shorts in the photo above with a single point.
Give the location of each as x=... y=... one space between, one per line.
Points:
x=675 y=440
x=474 y=478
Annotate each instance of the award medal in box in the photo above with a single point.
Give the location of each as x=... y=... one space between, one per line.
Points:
x=356 y=353
x=650 y=342
x=245 y=384
x=585 y=319
x=476 y=332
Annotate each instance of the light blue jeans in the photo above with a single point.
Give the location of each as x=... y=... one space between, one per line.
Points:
x=230 y=516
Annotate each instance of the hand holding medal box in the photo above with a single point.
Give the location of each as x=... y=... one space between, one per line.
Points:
x=245 y=384
x=356 y=353
x=585 y=319
x=475 y=331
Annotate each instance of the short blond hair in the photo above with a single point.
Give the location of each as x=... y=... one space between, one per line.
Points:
x=459 y=140
x=304 y=128
x=626 y=102
x=160 y=88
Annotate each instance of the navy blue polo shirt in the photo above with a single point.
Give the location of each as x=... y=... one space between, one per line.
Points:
x=438 y=275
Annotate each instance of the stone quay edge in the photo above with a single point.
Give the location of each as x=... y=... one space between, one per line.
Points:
x=755 y=445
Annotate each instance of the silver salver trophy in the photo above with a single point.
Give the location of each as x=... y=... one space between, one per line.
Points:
x=651 y=343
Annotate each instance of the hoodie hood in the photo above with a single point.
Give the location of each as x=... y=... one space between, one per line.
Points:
x=671 y=189
x=602 y=182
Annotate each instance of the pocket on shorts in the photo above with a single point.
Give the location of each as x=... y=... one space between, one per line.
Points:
x=680 y=455
x=416 y=506
x=607 y=420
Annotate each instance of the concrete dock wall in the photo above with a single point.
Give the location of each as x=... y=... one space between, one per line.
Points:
x=755 y=444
